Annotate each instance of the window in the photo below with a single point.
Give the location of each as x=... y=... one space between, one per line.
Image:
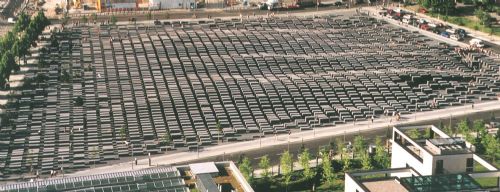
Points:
x=470 y=165
x=439 y=167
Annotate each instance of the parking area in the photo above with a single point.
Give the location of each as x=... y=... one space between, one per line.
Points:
x=439 y=28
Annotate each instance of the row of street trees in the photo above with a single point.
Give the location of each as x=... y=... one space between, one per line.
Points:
x=328 y=172
x=439 y=6
x=15 y=44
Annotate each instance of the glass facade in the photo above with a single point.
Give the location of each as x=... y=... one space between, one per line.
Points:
x=442 y=183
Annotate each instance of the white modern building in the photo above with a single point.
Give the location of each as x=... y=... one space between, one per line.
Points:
x=432 y=162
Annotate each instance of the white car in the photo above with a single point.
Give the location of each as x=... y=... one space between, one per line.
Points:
x=11 y=20
x=450 y=30
x=476 y=43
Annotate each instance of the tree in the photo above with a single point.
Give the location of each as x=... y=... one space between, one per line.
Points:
x=65 y=19
x=448 y=5
x=78 y=100
x=340 y=147
x=94 y=17
x=286 y=166
x=479 y=128
x=326 y=165
x=85 y=19
x=22 y=22
x=264 y=165
x=359 y=145
x=8 y=64
x=166 y=139
x=149 y=15
x=428 y=133
x=381 y=156
x=218 y=126
x=346 y=164
x=463 y=126
x=492 y=146
x=93 y=153
x=483 y=17
x=414 y=134
x=366 y=161
x=123 y=132
x=425 y=3
x=448 y=129
x=246 y=168
x=498 y=134
x=65 y=76
x=113 y=20
x=304 y=159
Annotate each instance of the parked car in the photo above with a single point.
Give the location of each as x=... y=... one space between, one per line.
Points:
x=424 y=26
x=461 y=32
x=338 y=3
x=445 y=34
x=422 y=21
x=11 y=20
x=476 y=43
x=456 y=37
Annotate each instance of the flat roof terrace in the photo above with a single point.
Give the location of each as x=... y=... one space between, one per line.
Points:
x=391 y=185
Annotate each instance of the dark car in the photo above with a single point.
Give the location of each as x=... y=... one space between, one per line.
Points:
x=445 y=34
x=338 y=3
x=157 y=22
x=462 y=33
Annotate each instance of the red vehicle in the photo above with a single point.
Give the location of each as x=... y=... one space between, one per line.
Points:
x=422 y=10
x=389 y=11
x=295 y=6
x=424 y=27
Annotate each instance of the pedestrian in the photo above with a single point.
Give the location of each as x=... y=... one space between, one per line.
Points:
x=472 y=105
x=372 y=119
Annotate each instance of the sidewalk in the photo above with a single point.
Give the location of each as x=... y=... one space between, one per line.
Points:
x=270 y=141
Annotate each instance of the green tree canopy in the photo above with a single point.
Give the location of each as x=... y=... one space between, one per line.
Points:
x=286 y=166
x=492 y=146
x=463 y=126
x=265 y=164
x=479 y=128
x=366 y=161
x=326 y=165
x=22 y=22
x=304 y=159
x=246 y=168
x=359 y=144
x=381 y=156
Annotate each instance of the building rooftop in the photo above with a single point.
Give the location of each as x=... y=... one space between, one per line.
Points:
x=390 y=184
x=203 y=168
x=160 y=178
x=441 y=146
x=437 y=143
